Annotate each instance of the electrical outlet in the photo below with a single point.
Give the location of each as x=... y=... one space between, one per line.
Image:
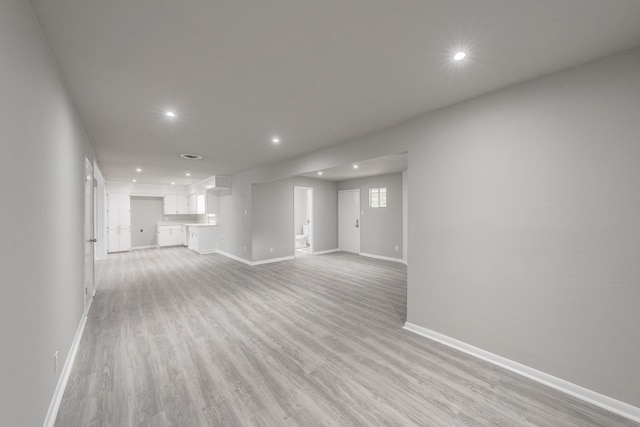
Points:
x=55 y=362
x=396 y=248
x=271 y=250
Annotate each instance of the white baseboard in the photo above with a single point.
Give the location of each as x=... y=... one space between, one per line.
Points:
x=386 y=258
x=136 y=248
x=270 y=260
x=328 y=251
x=52 y=413
x=212 y=251
x=617 y=407
x=237 y=258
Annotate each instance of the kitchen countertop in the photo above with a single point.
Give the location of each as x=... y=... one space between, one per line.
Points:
x=189 y=224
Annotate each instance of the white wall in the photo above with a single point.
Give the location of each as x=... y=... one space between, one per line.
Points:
x=524 y=229
x=273 y=219
x=42 y=150
x=523 y=220
x=235 y=219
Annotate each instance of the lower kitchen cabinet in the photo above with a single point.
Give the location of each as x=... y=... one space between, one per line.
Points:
x=170 y=235
x=202 y=239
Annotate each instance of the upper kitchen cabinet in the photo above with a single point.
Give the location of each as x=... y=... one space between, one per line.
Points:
x=201 y=204
x=193 y=203
x=176 y=204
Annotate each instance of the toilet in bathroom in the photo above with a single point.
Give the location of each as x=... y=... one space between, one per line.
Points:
x=302 y=240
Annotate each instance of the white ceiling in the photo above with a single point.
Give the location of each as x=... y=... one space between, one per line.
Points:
x=315 y=73
x=370 y=167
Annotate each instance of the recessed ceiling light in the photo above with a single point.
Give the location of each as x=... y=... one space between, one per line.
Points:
x=187 y=174
x=355 y=166
x=173 y=183
x=459 y=56
x=189 y=156
x=170 y=113
x=320 y=173
x=134 y=180
x=138 y=170
x=275 y=140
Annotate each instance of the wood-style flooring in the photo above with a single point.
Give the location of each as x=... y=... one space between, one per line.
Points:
x=174 y=338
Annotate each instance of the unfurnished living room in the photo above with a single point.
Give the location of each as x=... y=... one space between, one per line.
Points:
x=320 y=213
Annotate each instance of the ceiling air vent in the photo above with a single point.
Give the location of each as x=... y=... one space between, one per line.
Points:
x=190 y=156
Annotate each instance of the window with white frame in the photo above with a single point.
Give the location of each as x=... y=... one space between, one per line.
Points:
x=378 y=197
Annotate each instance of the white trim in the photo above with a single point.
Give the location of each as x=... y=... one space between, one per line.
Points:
x=610 y=404
x=386 y=258
x=237 y=258
x=254 y=263
x=209 y=251
x=270 y=260
x=54 y=406
x=135 y=248
x=328 y=251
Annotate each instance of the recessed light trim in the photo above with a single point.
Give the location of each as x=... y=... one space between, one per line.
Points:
x=190 y=156
x=134 y=180
x=319 y=172
x=459 y=56
x=138 y=170
x=171 y=114
x=275 y=140
x=187 y=174
x=355 y=166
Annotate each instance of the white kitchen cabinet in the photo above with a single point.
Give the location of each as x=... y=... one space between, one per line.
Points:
x=203 y=239
x=170 y=235
x=193 y=203
x=118 y=222
x=202 y=204
x=176 y=204
x=170 y=204
x=182 y=203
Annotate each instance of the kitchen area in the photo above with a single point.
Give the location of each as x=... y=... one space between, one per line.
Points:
x=145 y=216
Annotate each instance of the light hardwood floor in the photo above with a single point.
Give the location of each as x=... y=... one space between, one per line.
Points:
x=179 y=339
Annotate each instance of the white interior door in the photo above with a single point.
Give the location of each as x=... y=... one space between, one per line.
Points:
x=88 y=234
x=349 y=220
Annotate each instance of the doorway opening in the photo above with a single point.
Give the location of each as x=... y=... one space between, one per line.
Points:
x=302 y=221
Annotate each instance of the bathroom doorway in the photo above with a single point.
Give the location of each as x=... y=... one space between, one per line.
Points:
x=302 y=221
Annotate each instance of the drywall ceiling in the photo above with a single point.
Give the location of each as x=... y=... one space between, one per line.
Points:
x=370 y=167
x=314 y=73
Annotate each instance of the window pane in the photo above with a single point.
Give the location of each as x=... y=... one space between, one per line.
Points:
x=375 y=198
x=383 y=198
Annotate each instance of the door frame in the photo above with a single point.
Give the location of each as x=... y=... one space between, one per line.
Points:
x=309 y=211
x=359 y=221
x=88 y=224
